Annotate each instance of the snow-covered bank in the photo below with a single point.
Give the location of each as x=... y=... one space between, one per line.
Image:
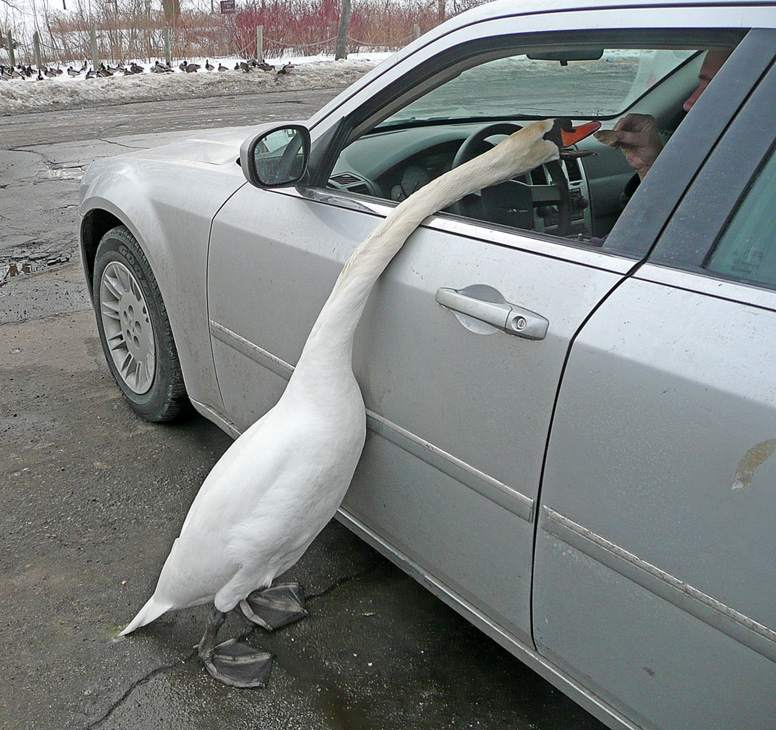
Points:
x=64 y=92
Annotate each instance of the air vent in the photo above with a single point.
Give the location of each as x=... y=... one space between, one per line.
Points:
x=345 y=179
x=573 y=170
x=350 y=182
x=539 y=176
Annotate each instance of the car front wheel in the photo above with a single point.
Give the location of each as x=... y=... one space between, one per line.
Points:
x=134 y=329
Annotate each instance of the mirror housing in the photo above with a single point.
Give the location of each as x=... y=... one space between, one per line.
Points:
x=564 y=56
x=276 y=157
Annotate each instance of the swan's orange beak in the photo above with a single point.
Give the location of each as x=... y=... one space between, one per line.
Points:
x=564 y=135
x=577 y=134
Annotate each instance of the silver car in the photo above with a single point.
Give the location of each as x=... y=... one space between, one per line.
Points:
x=570 y=400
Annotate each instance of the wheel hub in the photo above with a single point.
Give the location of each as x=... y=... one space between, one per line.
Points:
x=127 y=327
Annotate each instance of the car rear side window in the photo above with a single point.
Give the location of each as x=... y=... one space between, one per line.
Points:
x=746 y=250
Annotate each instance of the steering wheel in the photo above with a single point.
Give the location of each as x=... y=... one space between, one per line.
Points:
x=513 y=202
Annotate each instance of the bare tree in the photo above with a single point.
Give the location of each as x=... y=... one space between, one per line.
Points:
x=342 y=34
x=172 y=9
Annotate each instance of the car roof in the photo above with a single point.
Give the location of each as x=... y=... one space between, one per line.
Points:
x=502 y=8
x=532 y=7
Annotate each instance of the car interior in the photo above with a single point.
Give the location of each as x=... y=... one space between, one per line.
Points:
x=463 y=112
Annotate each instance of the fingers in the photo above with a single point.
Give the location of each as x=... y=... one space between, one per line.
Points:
x=635 y=123
x=638 y=131
x=631 y=139
x=620 y=124
x=639 y=140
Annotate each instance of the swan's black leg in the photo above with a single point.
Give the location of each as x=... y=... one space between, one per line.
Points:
x=276 y=606
x=237 y=665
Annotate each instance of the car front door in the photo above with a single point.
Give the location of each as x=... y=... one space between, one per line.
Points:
x=458 y=411
x=654 y=581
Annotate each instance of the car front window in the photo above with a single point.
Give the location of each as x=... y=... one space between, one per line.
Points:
x=429 y=120
x=604 y=85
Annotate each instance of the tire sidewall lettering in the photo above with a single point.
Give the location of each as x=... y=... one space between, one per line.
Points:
x=132 y=260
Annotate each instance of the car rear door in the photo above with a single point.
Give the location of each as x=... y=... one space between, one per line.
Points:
x=654 y=584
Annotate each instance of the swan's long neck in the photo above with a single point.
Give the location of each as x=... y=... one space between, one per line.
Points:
x=332 y=334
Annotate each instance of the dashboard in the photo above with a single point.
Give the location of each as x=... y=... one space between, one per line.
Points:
x=392 y=164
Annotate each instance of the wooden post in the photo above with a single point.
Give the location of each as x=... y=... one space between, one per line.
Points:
x=167 y=49
x=95 y=54
x=36 y=44
x=341 y=50
x=11 y=55
x=260 y=43
x=416 y=31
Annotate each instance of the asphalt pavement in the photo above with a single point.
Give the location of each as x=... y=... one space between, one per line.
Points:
x=92 y=498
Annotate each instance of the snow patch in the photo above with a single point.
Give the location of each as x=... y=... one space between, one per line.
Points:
x=66 y=92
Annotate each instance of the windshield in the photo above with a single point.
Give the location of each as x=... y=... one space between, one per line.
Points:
x=519 y=85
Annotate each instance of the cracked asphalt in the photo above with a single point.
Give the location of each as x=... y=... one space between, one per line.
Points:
x=92 y=498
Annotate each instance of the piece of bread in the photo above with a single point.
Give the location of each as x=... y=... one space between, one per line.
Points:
x=606 y=136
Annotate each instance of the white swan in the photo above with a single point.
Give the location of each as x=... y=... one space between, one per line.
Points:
x=279 y=484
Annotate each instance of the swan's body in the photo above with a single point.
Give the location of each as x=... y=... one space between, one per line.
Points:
x=266 y=499
x=282 y=481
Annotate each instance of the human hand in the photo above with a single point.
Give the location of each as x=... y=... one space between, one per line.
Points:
x=639 y=140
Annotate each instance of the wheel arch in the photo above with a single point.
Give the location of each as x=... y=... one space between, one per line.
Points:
x=97 y=219
x=94 y=225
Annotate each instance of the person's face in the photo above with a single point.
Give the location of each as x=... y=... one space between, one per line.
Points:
x=711 y=64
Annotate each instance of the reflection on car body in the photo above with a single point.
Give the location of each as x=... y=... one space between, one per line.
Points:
x=573 y=496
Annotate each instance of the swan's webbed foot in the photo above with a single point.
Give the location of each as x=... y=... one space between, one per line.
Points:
x=275 y=606
x=237 y=665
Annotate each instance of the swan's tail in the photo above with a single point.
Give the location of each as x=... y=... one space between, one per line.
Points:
x=150 y=612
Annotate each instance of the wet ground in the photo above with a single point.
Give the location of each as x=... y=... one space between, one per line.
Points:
x=92 y=498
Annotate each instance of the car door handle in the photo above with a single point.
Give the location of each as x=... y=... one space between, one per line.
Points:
x=486 y=304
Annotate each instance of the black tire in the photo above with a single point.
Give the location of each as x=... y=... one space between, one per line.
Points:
x=134 y=329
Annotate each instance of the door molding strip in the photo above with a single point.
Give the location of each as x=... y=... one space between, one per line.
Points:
x=722 y=617
x=254 y=352
x=494 y=490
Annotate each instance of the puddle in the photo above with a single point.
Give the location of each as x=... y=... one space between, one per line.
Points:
x=65 y=173
x=29 y=265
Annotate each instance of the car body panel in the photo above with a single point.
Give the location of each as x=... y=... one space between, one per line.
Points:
x=670 y=544
x=663 y=511
x=167 y=196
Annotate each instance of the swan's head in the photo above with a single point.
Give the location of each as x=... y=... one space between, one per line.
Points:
x=534 y=145
x=564 y=135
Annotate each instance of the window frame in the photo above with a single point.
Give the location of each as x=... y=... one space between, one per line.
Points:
x=630 y=237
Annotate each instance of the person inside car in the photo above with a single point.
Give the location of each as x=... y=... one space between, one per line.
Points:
x=637 y=134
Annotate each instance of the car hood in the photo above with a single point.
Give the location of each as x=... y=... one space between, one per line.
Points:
x=218 y=147
x=203 y=156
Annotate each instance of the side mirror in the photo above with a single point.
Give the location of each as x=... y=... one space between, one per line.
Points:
x=277 y=157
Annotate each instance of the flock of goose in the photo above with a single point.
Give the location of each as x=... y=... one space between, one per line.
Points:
x=9 y=73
